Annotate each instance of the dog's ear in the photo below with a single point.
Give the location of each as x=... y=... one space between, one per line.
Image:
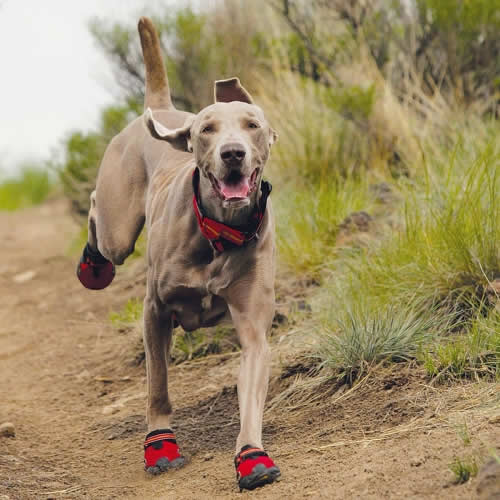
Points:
x=231 y=90
x=178 y=138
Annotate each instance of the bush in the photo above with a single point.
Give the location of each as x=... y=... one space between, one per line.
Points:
x=30 y=187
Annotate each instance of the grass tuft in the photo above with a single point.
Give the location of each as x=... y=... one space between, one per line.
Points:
x=365 y=336
x=201 y=343
x=463 y=469
x=471 y=354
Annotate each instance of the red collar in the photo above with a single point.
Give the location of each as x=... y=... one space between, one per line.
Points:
x=221 y=236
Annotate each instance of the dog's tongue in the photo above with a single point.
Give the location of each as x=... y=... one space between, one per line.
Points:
x=235 y=190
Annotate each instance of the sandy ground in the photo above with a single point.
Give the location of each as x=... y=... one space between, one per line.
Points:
x=69 y=383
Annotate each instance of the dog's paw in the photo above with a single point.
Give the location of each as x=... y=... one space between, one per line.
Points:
x=254 y=468
x=163 y=464
x=161 y=452
x=94 y=271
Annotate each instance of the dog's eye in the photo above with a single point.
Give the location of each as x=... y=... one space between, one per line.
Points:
x=253 y=125
x=207 y=129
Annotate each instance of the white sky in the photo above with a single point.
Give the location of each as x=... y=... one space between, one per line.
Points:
x=53 y=78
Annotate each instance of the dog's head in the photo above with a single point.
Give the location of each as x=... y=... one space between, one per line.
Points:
x=230 y=140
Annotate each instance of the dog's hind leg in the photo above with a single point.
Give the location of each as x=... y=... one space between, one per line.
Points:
x=117 y=211
x=160 y=448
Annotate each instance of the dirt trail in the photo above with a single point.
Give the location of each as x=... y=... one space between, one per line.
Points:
x=77 y=401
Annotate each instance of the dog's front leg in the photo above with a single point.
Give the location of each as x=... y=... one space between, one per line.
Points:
x=252 y=312
x=160 y=447
x=253 y=377
x=157 y=337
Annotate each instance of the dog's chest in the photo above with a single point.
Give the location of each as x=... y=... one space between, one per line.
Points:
x=195 y=309
x=192 y=292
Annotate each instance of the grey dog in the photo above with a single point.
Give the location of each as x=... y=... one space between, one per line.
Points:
x=196 y=182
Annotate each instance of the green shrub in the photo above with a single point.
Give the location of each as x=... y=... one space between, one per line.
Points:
x=458 y=44
x=30 y=187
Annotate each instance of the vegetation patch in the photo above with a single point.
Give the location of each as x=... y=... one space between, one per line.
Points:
x=201 y=343
x=31 y=187
x=472 y=354
x=365 y=337
x=463 y=469
x=130 y=314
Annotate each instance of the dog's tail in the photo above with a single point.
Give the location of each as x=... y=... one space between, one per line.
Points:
x=157 y=89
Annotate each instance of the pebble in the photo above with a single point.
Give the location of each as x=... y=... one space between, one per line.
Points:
x=495 y=419
x=7 y=430
x=24 y=277
x=110 y=410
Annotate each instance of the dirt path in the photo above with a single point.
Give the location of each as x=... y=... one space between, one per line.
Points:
x=69 y=384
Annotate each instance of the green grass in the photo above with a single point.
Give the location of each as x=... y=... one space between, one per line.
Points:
x=449 y=247
x=421 y=291
x=358 y=336
x=472 y=354
x=463 y=469
x=308 y=219
x=200 y=343
x=129 y=314
x=30 y=187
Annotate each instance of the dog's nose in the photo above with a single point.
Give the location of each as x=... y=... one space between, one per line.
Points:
x=232 y=153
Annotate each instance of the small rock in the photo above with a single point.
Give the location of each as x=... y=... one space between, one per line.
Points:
x=416 y=461
x=382 y=192
x=488 y=481
x=110 y=410
x=279 y=319
x=357 y=221
x=83 y=375
x=208 y=456
x=354 y=229
x=24 y=277
x=495 y=419
x=302 y=305
x=7 y=430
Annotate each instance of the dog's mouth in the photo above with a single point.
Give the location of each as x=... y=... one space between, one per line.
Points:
x=235 y=186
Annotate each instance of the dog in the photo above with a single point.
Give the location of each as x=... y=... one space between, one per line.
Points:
x=195 y=180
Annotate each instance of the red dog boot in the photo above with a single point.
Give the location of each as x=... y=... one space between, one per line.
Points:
x=161 y=452
x=94 y=271
x=254 y=468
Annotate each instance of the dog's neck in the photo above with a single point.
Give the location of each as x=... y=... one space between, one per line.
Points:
x=214 y=208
